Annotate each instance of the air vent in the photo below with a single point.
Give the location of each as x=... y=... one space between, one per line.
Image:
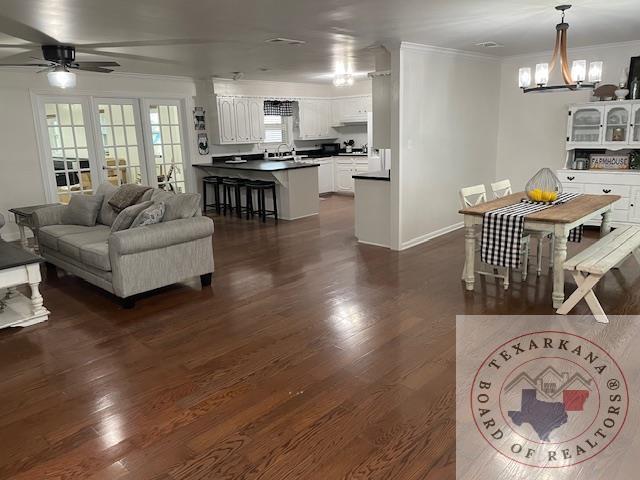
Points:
x=285 y=41
x=489 y=44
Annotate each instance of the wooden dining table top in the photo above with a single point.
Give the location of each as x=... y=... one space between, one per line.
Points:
x=569 y=212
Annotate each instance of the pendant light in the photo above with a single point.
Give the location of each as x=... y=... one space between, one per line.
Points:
x=60 y=77
x=574 y=75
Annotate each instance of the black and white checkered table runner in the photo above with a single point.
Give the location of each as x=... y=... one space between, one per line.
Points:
x=502 y=231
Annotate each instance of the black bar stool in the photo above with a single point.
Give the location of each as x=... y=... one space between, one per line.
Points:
x=216 y=181
x=232 y=191
x=260 y=187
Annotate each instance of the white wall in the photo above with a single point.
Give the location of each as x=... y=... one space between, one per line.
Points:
x=448 y=124
x=532 y=127
x=20 y=175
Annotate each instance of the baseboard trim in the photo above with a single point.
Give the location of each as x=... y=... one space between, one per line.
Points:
x=297 y=218
x=373 y=244
x=431 y=235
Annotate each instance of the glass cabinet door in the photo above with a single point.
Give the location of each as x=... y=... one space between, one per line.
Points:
x=635 y=125
x=616 y=129
x=586 y=125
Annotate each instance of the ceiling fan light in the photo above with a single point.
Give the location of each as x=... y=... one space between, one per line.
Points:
x=61 y=78
x=595 y=72
x=524 y=77
x=579 y=70
x=542 y=73
x=339 y=80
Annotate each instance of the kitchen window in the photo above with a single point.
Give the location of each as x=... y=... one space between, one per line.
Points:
x=276 y=129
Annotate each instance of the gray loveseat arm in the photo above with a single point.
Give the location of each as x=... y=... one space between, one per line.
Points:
x=48 y=216
x=150 y=257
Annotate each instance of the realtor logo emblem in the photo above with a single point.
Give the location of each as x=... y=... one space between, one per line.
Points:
x=549 y=399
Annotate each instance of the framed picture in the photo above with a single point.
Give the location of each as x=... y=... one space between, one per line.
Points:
x=198 y=118
x=634 y=72
x=203 y=144
x=601 y=161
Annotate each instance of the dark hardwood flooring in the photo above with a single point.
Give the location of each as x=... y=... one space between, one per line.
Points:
x=310 y=357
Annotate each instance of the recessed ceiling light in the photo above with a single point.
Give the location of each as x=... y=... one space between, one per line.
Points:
x=489 y=44
x=286 y=41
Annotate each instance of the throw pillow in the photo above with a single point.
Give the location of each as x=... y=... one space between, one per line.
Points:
x=127 y=195
x=126 y=217
x=150 y=216
x=82 y=210
x=178 y=205
x=106 y=215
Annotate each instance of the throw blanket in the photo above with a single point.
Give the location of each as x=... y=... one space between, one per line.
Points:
x=502 y=231
x=127 y=195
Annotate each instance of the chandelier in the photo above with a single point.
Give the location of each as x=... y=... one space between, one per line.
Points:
x=574 y=77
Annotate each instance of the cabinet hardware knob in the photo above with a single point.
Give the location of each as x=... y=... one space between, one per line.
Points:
x=606 y=190
x=631 y=205
x=571 y=178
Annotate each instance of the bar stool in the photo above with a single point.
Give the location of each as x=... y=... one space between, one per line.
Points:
x=216 y=181
x=260 y=187
x=232 y=191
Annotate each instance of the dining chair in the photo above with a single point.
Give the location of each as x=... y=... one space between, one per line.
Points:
x=476 y=195
x=503 y=188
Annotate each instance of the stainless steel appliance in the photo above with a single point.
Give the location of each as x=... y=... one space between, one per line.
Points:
x=331 y=148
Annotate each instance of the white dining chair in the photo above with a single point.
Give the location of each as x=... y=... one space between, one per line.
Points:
x=476 y=195
x=503 y=188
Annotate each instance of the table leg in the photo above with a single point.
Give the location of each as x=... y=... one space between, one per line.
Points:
x=37 y=303
x=469 y=253
x=559 y=257
x=23 y=237
x=605 y=227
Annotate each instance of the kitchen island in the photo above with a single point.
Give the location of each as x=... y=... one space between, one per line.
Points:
x=296 y=182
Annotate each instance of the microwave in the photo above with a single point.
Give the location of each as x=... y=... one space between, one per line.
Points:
x=331 y=148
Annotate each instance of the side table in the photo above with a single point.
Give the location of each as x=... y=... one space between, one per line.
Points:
x=24 y=218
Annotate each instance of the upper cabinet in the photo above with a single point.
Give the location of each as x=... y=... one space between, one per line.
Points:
x=313 y=120
x=239 y=120
x=611 y=125
x=350 y=110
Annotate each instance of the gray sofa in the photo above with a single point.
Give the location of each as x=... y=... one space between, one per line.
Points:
x=132 y=261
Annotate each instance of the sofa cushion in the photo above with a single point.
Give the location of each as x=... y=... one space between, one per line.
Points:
x=177 y=205
x=50 y=234
x=82 y=210
x=107 y=215
x=127 y=195
x=126 y=217
x=96 y=255
x=70 y=245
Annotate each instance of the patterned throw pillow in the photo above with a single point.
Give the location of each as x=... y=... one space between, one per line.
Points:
x=126 y=217
x=150 y=216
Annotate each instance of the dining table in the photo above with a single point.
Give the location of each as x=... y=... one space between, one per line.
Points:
x=557 y=220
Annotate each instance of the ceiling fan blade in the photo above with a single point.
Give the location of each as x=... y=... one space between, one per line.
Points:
x=154 y=43
x=20 y=46
x=127 y=56
x=90 y=68
x=22 y=31
x=25 y=65
x=97 y=64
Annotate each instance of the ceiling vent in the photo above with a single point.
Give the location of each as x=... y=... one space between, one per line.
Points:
x=489 y=44
x=285 y=41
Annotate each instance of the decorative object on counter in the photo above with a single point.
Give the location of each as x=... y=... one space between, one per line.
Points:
x=581 y=164
x=601 y=161
x=203 y=144
x=622 y=92
x=634 y=74
x=284 y=108
x=634 y=160
x=198 y=119
x=634 y=89
x=349 y=145
x=574 y=77
x=605 y=92
x=544 y=186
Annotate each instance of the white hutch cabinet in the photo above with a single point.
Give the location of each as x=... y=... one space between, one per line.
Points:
x=612 y=126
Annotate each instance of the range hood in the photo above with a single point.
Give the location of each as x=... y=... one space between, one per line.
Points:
x=354 y=119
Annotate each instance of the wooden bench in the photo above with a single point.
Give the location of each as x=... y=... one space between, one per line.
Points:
x=588 y=267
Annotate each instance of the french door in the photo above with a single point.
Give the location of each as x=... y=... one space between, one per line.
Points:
x=89 y=140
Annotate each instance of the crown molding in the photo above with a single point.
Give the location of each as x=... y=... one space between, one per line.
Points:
x=418 y=47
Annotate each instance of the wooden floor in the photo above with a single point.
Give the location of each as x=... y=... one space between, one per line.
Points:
x=311 y=357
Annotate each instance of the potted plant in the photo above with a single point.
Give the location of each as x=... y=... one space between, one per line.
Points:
x=349 y=145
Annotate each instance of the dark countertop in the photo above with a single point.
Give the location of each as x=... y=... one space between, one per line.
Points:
x=258 y=165
x=384 y=175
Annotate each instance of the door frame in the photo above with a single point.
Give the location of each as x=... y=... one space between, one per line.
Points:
x=186 y=104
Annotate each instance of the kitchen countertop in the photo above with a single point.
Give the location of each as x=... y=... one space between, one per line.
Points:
x=258 y=165
x=383 y=175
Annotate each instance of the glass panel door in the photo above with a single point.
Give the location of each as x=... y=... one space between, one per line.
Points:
x=635 y=125
x=167 y=149
x=69 y=156
x=586 y=125
x=616 y=124
x=120 y=141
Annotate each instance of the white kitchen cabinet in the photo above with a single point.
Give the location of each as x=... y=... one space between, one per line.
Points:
x=314 y=120
x=345 y=168
x=344 y=179
x=613 y=125
x=634 y=131
x=239 y=120
x=352 y=109
x=634 y=205
x=616 y=125
x=325 y=175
